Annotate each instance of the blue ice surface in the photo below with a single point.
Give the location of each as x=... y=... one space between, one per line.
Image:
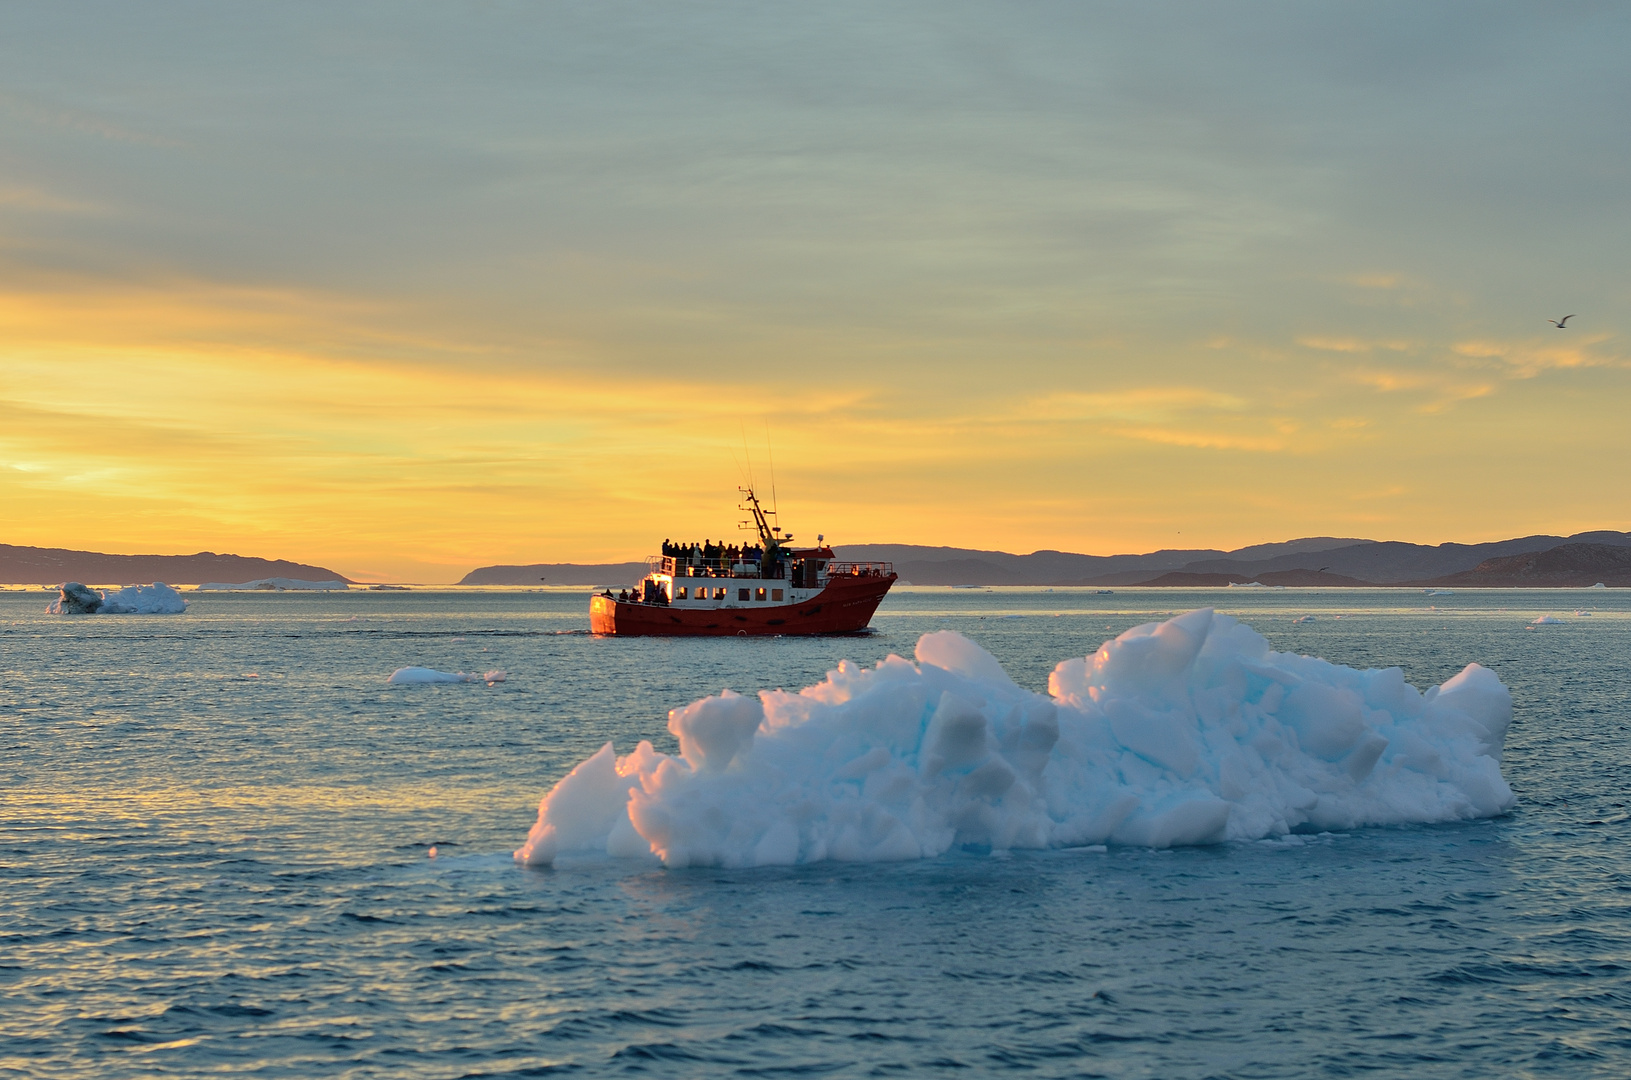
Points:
x=214 y=831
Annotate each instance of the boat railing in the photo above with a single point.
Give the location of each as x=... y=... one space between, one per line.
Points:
x=683 y=566
x=860 y=569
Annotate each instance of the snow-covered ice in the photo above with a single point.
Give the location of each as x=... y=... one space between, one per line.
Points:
x=1546 y=620
x=155 y=599
x=1189 y=731
x=417 y=676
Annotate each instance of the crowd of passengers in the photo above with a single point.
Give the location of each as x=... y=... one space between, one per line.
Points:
x=704 y=556
x=711 y=555
x=646 y=592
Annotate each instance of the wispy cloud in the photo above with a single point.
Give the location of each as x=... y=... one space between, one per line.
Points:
x=1203 y=440
x=67 y=118
x=1136 y=403
x=37 y=200
x=1440 y=389
x=1354 y=345
x=1527 y=359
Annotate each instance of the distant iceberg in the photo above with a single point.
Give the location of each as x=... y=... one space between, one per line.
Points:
x=1189 y=731
x=420 y=676
x=275 y=584
x=1546 y=620
x=155 y=599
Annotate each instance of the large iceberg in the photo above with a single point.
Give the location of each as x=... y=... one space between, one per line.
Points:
x=1189 y=731
x=155 y=599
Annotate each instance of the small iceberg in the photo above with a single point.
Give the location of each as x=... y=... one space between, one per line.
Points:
x=422 y=676
x=155 y=599
x=1246 y=585
x=1439 y=592
x=1582 y=614
x=1599 y=585
x=275 y=584
x=1546 y=620
x=1303 y=618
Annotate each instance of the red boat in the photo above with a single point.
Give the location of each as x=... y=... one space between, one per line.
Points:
x=773 y=588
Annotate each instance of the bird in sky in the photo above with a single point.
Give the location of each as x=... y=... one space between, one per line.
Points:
x=1559 y=322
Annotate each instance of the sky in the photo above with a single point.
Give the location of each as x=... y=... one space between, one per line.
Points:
x=402 y=289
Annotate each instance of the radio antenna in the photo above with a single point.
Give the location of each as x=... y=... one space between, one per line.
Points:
x=775 y=505
x=747 y=453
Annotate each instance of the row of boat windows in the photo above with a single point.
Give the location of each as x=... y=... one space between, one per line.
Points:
x=703 y=592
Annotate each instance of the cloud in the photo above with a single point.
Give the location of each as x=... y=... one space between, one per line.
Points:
x=1376 y=281
x=1353 y=345
x=64 y=118
x=1526 y=360
x=1441 y=389
x=37 y=200
x=1137 y=403
x=1202 y=440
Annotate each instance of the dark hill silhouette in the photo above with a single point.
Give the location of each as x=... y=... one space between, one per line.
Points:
x=53 y=566
x=1565 y=566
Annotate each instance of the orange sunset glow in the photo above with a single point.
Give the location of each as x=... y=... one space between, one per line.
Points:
x=407 y=299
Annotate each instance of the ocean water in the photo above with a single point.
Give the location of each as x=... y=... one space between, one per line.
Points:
x=214 y=836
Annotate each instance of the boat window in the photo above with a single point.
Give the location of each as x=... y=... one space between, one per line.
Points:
x=741 y=594
x=775 y=594
x=761 y=595
x=681 y=593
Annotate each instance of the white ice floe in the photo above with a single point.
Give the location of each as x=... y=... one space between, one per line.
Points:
x=418 y=676
x=1189 y=731
x=155 y=599
x=275 y=584
x=1546 y=620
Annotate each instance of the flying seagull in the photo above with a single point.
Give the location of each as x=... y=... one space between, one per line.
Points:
x=1559 y=322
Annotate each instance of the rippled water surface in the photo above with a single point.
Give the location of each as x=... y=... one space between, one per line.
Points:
x=214 y=831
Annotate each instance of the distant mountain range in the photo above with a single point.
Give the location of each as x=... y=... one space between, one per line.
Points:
x=53 y=566
x=1314 y=560
x=1529 y=561
x=1319 y=560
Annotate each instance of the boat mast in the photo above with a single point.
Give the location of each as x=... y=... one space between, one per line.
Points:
x=767 y=534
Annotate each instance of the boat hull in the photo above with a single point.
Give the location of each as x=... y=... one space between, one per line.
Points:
x=845 y=606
